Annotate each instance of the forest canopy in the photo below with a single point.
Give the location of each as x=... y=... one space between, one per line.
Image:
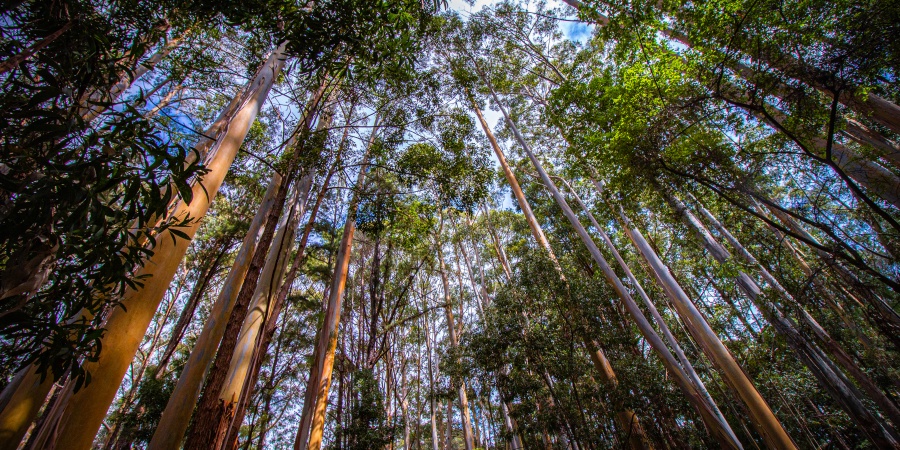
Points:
x=509 y=224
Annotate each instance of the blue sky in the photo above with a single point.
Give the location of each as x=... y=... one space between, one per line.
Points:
x=577 y=31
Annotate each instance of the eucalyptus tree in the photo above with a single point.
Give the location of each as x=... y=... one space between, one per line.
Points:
x=79 y=199
x=315 y=25
x=737 y=160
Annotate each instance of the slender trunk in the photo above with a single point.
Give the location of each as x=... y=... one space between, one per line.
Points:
x=481 y=292
x=435 y=434
x=646 y=329
x=270 y=323
x=667 y=333
x=306 y=414
x=125 y=327
x=100 y=101
x=249 y=351
x=404 y=408
x=763 y=417
x=309 y=398
x=13 y=61
x=862 y=134
x=327 y=342
x=206 y=421
x=176 y=416
x=235 y=393
x=830 y=378
x=516 y=443
x=501 y=255
x=257 y=312
x=889 y=322
x=448 y=441
x=626 y=419
x=566 y=433
x=508 y=421
x=454 y=342
x=22 y=399
x=840 y=355
x=187 y=313
x=267 y=412
x=165 y=101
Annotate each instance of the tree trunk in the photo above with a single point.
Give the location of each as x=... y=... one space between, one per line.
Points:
x=126 y=326
x=270 y=322
x=232 y=302
x=448 y=441
x=670 y=338
x=823 y=290
x=125 y=437
x=309 y=399
x=862 y=134
x=890 y=319
x=257 y=310
x=176 y=416
x=454 y=342
x=830 y=378
x=13 y=61
x=763 y=417
x=21 y=401
x=647 y=330
x=165 y=101
x=626 y=419
x=100 y=101
x=210 y=409
x=206 y=275
x=837 y=351
x=327 y=342
x=235 y=393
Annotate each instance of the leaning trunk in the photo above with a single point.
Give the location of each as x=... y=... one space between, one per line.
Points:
x=175 y=418
x=327 y=342
x=763 y=417
x=626 y=419
x=126 y=326
x=258 y=309
x=630 y=304
x=669 y=337
x=837 y=351
x=830 y=378
x=99 y=101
